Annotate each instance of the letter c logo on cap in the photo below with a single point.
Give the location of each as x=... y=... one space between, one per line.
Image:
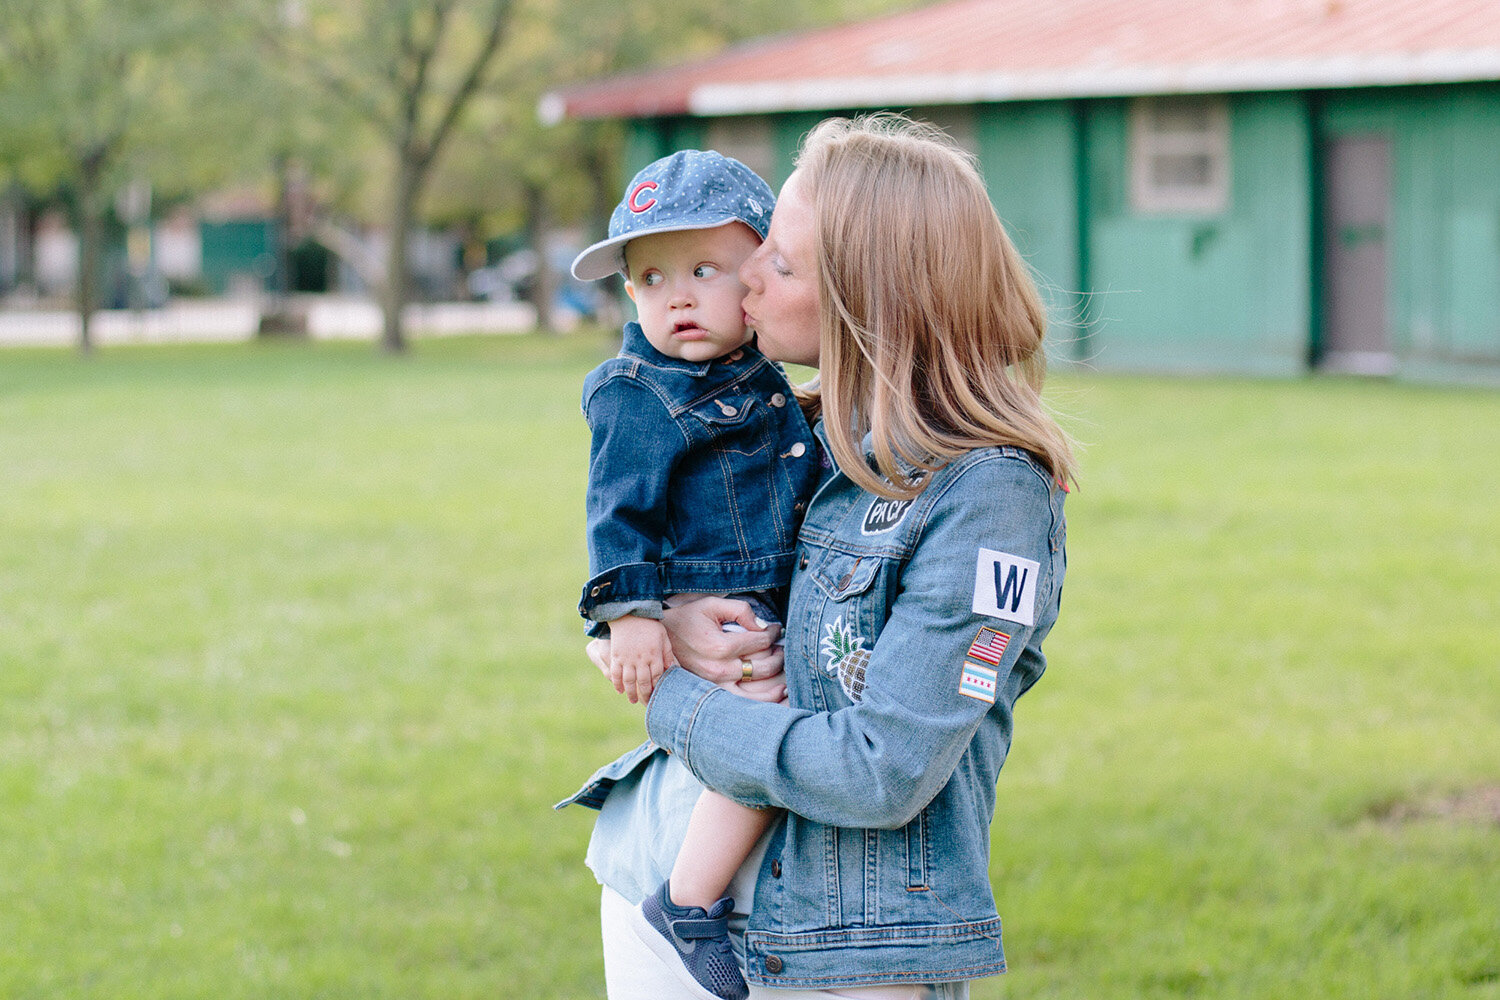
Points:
x=639 y=207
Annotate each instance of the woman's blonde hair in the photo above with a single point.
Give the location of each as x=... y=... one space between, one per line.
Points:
x=931 y=325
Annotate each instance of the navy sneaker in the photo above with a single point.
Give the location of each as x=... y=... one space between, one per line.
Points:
x=694 y=942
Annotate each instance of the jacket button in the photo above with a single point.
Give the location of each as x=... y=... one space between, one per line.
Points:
x=803 y=563
x=773 y=964
x=776 y=868
x=778 y=400
x=798 y=450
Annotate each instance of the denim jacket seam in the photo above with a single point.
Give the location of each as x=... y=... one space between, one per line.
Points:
x=1011 y=453
x=687 y=725
x=973 y=459
x=629 y=370
x=733 y=380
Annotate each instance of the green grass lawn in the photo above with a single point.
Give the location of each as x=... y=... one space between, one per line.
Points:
x=290 y=677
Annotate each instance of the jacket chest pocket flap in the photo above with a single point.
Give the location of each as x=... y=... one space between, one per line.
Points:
x=842 y=576
x=725 y=412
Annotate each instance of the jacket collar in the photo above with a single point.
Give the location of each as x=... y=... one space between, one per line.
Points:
x=636 y=345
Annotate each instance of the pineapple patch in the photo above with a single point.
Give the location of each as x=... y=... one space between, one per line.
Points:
x=847 y=657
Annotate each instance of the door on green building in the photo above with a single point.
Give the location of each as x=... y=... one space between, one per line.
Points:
x=1356 y=196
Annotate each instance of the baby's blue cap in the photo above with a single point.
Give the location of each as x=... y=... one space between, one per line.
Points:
x=691 y=189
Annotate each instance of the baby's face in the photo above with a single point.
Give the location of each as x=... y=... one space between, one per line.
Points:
x=687 y=289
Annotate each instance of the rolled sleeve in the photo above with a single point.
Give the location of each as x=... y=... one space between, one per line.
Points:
x=622 y=590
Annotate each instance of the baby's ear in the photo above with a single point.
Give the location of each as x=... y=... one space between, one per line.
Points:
x=630 y=289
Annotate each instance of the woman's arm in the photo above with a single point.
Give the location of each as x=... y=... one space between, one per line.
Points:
x=878 y=762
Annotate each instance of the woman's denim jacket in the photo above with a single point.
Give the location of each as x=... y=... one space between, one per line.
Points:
x=912 y=628
x=698 y=476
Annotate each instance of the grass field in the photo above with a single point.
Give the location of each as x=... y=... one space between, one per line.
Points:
x=290 y=677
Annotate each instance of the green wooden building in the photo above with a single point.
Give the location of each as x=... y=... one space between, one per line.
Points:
x=1247 y=186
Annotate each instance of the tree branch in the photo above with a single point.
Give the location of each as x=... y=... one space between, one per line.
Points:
x=345 y=90
x=499 y=20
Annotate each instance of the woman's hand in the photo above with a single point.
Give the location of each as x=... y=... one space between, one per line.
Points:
x=715 y=637
x=770 y=688
x=702 y=645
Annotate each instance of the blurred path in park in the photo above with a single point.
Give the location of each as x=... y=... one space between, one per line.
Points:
x=228 y=320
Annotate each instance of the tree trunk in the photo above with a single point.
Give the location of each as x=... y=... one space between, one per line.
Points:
x=397 y=281
x=543 y=286
x=279 y=318
x=90 y=236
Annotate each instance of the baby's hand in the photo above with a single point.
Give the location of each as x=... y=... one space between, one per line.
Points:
x=638 y=656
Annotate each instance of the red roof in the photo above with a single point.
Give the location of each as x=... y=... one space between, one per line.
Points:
x=969 y=51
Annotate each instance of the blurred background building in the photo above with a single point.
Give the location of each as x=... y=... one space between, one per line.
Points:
x=1257 y=186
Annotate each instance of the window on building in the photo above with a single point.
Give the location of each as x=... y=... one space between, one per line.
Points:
x=1179 y=152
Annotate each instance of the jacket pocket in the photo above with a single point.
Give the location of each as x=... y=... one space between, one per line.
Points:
x=733 y=421
x=916 y=853
x=844 y=577
x=849 y=621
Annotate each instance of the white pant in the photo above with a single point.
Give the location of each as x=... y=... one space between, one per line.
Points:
x=633 y=972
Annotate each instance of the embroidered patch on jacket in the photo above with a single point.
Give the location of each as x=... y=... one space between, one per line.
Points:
x=883 y=515
x=1005 y=586
x=989 y=646
x=978 y=683
x=847 y=657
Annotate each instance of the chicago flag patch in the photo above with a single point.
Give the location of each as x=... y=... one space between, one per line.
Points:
x=978 y=682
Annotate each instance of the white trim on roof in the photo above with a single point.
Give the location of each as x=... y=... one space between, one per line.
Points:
x=1392 y=69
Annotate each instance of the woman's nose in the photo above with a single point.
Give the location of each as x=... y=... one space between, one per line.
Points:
x=747 y=272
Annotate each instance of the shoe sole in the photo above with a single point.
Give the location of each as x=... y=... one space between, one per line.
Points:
x=667 y=952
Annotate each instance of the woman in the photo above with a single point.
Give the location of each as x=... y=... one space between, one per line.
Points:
x=929 y=570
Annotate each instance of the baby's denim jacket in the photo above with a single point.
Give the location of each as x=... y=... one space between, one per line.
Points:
x=699 y=473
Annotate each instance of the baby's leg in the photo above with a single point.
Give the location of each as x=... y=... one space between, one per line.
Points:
x=721 y=834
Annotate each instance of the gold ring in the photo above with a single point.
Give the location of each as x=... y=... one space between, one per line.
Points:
x=746 y=670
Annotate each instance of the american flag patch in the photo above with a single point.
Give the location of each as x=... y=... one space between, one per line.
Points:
x=988 y=646
x=977 y=683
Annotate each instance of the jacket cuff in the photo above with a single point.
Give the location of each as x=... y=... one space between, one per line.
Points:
x=673 y=708
x=632 y=583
